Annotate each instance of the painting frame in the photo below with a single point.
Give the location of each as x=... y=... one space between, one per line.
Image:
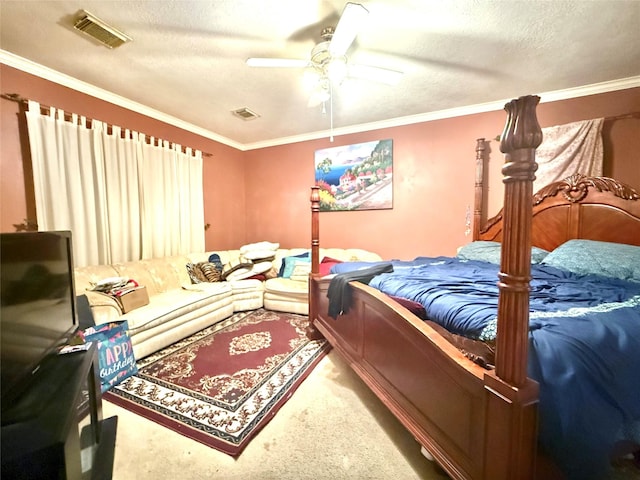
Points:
x=355 y=177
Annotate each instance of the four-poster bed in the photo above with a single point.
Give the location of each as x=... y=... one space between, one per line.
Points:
x=477 y=423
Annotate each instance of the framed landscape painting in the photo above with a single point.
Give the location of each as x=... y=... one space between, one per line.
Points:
x=355 y=177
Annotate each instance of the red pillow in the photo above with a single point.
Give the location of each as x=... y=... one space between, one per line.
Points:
x=325 y=265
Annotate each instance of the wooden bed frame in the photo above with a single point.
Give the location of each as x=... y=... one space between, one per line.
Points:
x=477 y=423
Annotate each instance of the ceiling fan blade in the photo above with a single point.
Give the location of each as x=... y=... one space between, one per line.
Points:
x=352 y=18
x=375 y=74
x=277 y=62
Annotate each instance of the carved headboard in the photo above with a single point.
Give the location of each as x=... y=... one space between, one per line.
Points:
x=594 y=208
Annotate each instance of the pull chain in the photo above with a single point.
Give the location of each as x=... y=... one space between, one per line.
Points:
x=331 y=112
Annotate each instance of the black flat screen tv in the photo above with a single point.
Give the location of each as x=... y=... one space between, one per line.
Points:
x=37 y=304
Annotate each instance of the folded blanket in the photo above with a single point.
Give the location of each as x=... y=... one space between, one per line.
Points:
x=339 y=292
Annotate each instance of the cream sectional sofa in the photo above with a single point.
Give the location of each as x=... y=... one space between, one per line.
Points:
x=178 y=308
x=288 y=295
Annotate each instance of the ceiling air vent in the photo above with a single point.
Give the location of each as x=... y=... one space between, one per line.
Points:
x=105 y=34
x=245 y=114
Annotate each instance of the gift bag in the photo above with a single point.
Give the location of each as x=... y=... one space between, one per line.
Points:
x=115 y=352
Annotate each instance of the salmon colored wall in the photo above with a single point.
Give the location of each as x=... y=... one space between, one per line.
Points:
x=433 y=179
x=223 y=171
x=264 y=194
x=428 y=167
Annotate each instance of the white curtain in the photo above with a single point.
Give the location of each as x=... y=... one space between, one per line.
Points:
x=122 y=198
x=171 y=200
x=567 y=149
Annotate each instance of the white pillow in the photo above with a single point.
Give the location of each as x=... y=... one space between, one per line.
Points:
x=301 y=271
x=259 y=246
x=259 y=254
x=239 y=274
x=261 y=267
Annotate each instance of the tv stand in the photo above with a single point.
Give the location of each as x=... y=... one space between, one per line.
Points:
x=55 y=428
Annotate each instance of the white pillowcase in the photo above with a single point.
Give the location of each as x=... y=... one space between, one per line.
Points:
x=259 y=254
x=301 y=271
x=268 y=246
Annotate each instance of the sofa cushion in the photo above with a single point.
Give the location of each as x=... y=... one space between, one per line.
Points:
x=286 y=304
x=173 y=304
x=104 y=308
x=286 y=286
x=85 y=278
x=247 y=294
x=246 y=285
x=157 y=274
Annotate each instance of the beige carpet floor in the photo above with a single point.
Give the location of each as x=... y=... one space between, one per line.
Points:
x=333 y=427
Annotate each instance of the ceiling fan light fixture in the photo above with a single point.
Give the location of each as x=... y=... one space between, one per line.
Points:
x=324 y=96
x=311 y=77
x=336 y=69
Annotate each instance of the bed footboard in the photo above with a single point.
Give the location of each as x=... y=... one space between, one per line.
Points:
x=446 y=401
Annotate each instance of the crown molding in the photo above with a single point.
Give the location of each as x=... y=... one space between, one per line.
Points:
x=552 y=96
x=67 y=81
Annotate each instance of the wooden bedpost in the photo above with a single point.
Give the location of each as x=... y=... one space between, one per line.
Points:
x=312 y=332
x=479 y=200
x=512 y=397
x=521 y=136
x=315 y=229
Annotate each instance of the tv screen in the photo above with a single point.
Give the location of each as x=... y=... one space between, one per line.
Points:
x=37 y=303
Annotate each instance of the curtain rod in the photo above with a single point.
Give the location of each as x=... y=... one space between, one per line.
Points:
x=622 y=116
x=14 y=97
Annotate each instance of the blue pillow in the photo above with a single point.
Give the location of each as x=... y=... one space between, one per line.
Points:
x=487 y=251
x=288 y=263
x=590 y=257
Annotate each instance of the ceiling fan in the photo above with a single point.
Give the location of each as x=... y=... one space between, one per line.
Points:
x=328 y=63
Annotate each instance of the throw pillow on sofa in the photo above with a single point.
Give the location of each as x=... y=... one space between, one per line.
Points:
x=325 y=265
x=301 y=271
x=203 y=272
x=236 y=270
x=211 y=271
x=195 y=273
x=259 y=247
x=288 y=263
x=215 y=259
x=259 y=252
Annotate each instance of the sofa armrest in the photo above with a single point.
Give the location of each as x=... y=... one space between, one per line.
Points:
x=104 y=307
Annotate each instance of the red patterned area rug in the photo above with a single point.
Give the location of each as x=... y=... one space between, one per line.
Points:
x=220 y=386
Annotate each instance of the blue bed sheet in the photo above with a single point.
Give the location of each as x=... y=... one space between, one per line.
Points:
x=584 y=346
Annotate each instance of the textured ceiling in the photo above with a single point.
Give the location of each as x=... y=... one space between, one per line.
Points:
x=187 y=58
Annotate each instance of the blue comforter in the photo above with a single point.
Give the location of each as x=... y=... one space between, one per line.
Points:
x=584 y=346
